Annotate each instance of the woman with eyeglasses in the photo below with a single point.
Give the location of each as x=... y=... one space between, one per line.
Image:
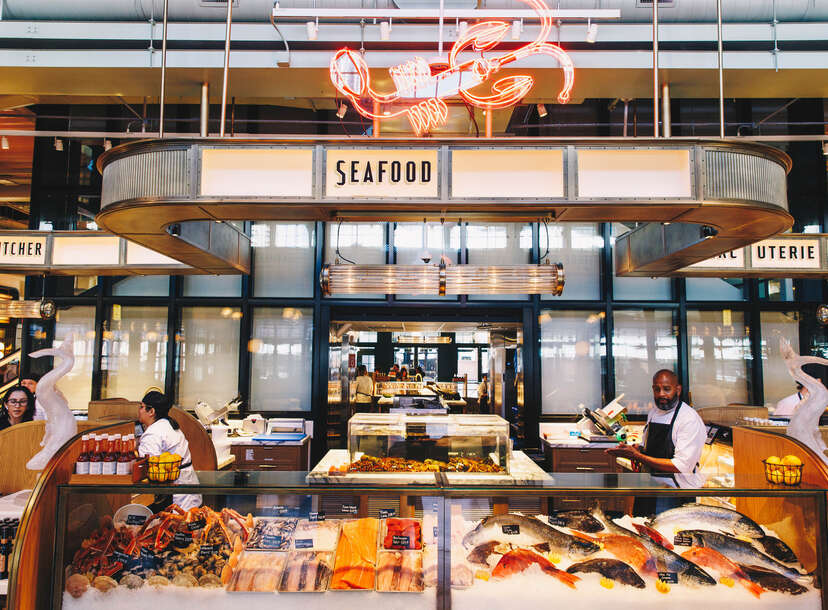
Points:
x=161 y=434
x=18 y=407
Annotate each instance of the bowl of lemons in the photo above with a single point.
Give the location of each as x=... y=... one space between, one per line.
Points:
x=163 y=468
x=783 y=471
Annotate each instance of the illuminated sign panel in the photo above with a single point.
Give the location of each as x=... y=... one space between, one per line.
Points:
x=421 y=87
x=22 y=250
x=382 y=173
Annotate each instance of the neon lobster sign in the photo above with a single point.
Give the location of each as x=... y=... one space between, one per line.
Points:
x=431 y=83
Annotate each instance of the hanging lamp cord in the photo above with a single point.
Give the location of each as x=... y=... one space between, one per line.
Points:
x=338 y=253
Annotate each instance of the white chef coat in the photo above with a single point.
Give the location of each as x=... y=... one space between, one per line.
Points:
x=160 y=437
x=787 y=406
x=364 y=388
x=689 y=435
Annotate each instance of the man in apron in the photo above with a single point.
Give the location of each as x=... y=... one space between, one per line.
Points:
x=671 y=446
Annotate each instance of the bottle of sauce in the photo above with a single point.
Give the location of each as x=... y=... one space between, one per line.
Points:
x=110 y=459
x=96 y=457
x=82 y=465
x=124 y=465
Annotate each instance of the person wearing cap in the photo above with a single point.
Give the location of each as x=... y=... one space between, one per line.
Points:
x=162 y=435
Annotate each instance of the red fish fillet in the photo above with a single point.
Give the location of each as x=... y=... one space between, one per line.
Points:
x=520 y=559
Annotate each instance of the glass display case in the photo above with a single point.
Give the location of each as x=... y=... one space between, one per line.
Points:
x=260 y=535
x=398 y=442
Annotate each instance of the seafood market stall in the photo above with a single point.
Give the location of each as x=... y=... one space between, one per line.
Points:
x=269 y=538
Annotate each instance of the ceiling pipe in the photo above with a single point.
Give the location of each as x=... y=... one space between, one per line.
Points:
x=226 y=66
x=204 y=118
x=655 y=68
x=721 y=69
x=163 y=72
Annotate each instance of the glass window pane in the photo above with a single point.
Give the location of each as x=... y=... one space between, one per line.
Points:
x=643 y=342
x=211 y=286
x=637 y=288
x=467 y=364
x=207 y=353
x=719 y=358
x=410 y=249
x=572 y=350
x=499 y=244
x=777 y=381
x=280 y=360
x=579 y=247
x=283 y=258
x=776 y=290
x=76 y=385
x=134 y=351
x=362 y=243
x=142 y=286
x=716 y=289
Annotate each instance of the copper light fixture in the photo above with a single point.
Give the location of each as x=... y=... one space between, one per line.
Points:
x=442 y=279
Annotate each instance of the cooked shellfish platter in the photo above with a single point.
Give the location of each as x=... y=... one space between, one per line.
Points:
x=682 y=555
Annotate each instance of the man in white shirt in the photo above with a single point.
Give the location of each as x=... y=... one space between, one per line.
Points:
x=787 y=406
x=673 y=439
x=364 y=389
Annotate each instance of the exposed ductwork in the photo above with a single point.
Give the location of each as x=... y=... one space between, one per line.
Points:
x=632 y=11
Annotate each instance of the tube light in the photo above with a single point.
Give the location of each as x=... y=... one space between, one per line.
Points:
x=442 y=279
x=592 y=32
x=343 y=108
x=4 y=143
x=517 y=29
x=542 y=111
x=43 y=310
x=58 y=144
x=385 y=30
x=313 y=29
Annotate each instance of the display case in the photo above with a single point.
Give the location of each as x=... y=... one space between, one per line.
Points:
x=399 y=442
x=265 y=539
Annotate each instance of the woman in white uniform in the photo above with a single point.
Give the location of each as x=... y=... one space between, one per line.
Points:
x=161 y=434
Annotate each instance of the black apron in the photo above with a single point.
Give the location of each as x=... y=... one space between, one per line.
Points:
x=659 y=444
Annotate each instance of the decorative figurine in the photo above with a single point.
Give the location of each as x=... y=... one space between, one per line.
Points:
x=60 y=423
x=804 y=424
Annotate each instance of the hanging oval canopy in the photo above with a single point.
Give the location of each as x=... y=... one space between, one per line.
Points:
x=689 y=199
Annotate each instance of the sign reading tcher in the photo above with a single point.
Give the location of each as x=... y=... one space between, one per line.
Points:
x=19 y=250
x=791 y=254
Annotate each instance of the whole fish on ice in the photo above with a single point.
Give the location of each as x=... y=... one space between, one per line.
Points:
x=702 y=516
x=492 y=529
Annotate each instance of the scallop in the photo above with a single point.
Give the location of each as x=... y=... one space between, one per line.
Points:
x=77 y=584
x=210 y=581
x=157 y=581
x=104 y=584
x=185 y=580
x=132 y=581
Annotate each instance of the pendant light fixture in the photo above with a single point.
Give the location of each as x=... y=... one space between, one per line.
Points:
x=442 y=279
x=42 y=310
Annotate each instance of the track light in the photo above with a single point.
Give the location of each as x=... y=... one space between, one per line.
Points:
x=58 y=145
x=592 y=32
x=343 y=108
x=313 y=29
x=385 y=30
x=4 y=143
x=462 y=27
x=542 y=110
x=517 y=29
x=107 y=144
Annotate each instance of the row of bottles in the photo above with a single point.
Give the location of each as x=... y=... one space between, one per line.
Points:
x=106 y=454
x=8 y=532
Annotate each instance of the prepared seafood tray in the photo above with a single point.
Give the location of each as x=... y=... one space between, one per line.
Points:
x=306 y=571
x=400 y=571
x=257 y=572
x=271 y=534
x=315 y=535
x=356 y=555
x=402 y=534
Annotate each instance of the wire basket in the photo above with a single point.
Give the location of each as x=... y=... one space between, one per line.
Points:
x=163 y=470
x=783 y=474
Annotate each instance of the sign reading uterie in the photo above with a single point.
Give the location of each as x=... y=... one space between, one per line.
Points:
x=381 y=173
x=786 y=253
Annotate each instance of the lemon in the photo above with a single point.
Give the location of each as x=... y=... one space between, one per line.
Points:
x=791 y=460
x=607 y=583
x=554 y=558
x=662 y=587
x=773 y=460
x=727 y=581
x=791 y=478
x=481 y=575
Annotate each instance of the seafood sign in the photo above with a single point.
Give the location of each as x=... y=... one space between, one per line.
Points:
x=422 y=86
